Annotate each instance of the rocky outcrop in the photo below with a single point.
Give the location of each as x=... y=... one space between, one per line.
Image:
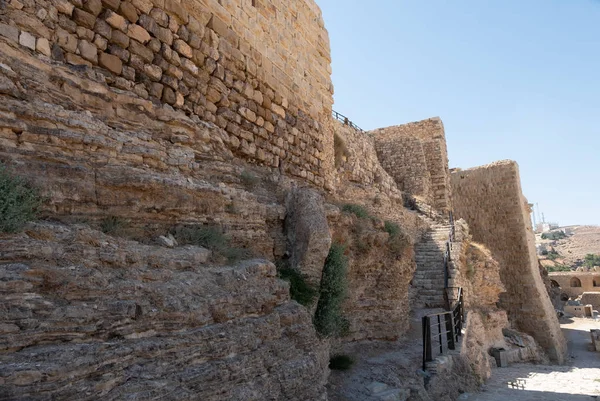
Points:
x=308 y=233
x=380 y=268
x=90 y=317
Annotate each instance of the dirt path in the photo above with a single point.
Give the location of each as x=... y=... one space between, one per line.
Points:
x=578 y=381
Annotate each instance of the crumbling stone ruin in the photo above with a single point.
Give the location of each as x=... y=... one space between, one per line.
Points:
x=187 y=157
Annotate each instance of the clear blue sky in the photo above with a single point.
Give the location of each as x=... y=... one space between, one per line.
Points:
x=511 y=79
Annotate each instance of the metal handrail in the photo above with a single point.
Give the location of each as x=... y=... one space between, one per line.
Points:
x=346 y=120
x=453 y=320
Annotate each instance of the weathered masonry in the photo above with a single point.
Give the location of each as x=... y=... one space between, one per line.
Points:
x=576 y=283
x=416 y=156
x=259 y=69
x=490 y=199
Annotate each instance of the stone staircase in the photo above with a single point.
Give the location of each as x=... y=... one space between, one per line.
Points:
x=427 y=289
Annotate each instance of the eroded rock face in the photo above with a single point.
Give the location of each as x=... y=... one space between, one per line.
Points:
x=379 y=271
x=90 y=317
x=307 y=232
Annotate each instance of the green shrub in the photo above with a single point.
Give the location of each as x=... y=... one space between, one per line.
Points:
x=591 y=260
x=328 y=319
x=19 y=201
x=559 y=268
x=392 y=228
x=552 y=255
x=112 y=225
x=357 y=210
x=249 y=179
x=300 y=290
x=555 y=235
x=212 y=238
x=398 y=239
x=340 y=362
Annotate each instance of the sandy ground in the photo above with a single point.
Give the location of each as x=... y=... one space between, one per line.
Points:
x=577 y=381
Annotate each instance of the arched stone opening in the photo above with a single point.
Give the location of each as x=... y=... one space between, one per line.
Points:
x=575 y=282
x=554 y=284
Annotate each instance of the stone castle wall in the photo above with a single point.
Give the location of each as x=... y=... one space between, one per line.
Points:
x=357 y=162
x=260 y=69
x=588 y=282
x=415 y=154
x=490 y=199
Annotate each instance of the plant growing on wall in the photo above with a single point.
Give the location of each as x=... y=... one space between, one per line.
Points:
x=19 y=201
x=358 y=210
x=329 y=320
x=300 y=291
x=212 y=238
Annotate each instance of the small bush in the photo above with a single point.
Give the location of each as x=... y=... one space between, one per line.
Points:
x=559 y=268
x=205 y=236
x=112 y=225
x=591 y=260
x=328 y=319
x=233 y=254
x=552 y=255
x=392 y=228
x=398 y=239
x=212 y=238
x=554 y=236
x=19 y=202
x=249 y=179
x=340 y=362
x=300 y=290
x=358 y=210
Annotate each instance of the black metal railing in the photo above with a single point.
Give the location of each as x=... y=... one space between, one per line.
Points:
x=346 y=120
x=447 y=265
x=452 y=228
x=441 y=331
x=451 y=239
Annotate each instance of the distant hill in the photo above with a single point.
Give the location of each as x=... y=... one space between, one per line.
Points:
x=572 y=249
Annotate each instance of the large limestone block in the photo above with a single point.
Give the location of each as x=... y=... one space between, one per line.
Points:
x=308 y=233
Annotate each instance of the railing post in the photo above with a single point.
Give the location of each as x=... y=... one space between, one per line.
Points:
x=426 y=341
x=446 y=259
x=451 y=331
x=439 y=325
